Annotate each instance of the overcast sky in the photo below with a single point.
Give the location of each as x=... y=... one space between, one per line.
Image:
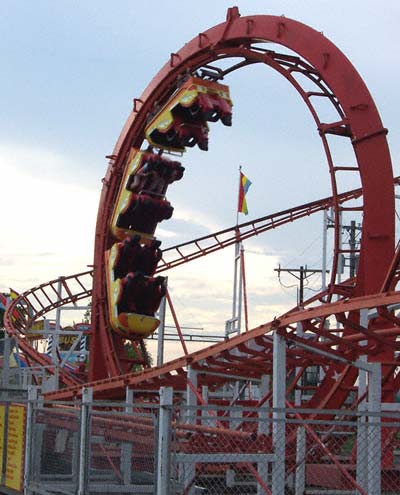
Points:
x=69 y=73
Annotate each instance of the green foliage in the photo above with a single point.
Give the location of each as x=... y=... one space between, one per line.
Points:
x=147 y=356
x=132 y=354
x=88 y=314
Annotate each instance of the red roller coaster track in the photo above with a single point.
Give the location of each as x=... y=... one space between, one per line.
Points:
x=314 y=62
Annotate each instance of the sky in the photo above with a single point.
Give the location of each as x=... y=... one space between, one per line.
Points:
x=69 y=73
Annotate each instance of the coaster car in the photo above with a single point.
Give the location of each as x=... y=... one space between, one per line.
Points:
x=173 y=133
x=129 y=324
x=182 y=122
x=141 y=203
x=135 y=256
x=143 y=213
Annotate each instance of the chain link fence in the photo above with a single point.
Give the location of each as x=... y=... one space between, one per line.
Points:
x=219 y=450
x=91 y=447
x=55 y=447
x=172 y=449
x=121 y=450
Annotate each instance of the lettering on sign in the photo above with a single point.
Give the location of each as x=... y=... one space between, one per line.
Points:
x=15 y=447
x=2 y=426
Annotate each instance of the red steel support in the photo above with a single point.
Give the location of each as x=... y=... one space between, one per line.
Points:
x=359 y=121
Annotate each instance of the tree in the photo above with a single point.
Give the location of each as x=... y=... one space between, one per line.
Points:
x=132 y=354
x=87 y=316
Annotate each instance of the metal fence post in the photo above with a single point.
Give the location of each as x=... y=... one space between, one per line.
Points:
x=374 y=429
x=164 y=441
x=191 y=399
x=187 y=471
x=264 y=427
x=126 y=448
x=87 y=398
x=5 y=376
x=161 y=331
x=278 y=416
x=300 y=477
x=32 y=398
x=300 y=484
x=362 y=431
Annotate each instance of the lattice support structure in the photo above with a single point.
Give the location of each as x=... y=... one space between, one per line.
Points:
x=364 y=311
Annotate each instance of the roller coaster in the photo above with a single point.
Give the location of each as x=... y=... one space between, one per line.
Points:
x=125 y=287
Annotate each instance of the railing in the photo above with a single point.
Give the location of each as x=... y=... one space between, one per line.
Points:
x=172 y=448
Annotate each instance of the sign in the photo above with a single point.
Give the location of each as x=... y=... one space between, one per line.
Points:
x=15 y=447
x=67 y=339
x=2 y=426
x=82 y=327
x=32 y=332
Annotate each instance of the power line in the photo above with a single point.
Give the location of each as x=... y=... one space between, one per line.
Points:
x=302 y=274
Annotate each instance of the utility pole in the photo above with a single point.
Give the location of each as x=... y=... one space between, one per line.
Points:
x=353 y=231
x=353 y=245
x=302 y=274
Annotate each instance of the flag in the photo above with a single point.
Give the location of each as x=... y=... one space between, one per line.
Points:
x=244 y=185
x=24 y=309
x=13 y=294
x=17 y=313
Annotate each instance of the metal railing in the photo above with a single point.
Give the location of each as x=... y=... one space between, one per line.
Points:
x=170 y=448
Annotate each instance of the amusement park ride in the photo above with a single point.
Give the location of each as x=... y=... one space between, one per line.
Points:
x=333 y=329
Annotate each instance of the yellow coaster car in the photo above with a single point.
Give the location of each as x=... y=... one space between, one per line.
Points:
x=130 y=325
x=139 y=208
x=182 y=122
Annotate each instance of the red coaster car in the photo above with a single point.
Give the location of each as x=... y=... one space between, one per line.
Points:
x=143 y=213
x=132 y=256
x=182 y=122
x=132 y=300
x=141 y=202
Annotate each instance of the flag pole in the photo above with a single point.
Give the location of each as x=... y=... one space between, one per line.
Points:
x=235 y=325
x=240 y=183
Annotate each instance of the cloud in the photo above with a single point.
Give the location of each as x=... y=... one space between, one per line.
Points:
x=169 y=234
x=42 y=162
x=202 y=290
x=48 y=225
x=193 y=216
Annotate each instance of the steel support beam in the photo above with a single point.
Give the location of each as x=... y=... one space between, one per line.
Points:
x=84 y=456
x=278 y=415
x=164 y=441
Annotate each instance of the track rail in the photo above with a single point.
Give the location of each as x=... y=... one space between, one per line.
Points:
x=249 y=355
x=31 y=305
x=318 y=71
x=37 y=302
x=315 y=63
x=191 y=250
